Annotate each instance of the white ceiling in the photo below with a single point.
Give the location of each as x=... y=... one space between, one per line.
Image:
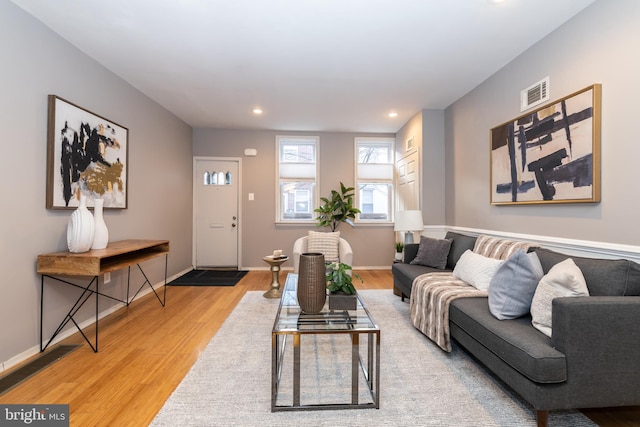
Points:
x=321 y=65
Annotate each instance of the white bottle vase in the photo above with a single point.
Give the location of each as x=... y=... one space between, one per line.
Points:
x=80 y=228
x=101 y=233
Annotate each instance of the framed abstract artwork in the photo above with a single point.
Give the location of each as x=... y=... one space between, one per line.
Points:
x=550 y=155
x=87 y=154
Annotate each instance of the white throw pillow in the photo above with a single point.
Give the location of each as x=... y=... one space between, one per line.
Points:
x=476 y=270
x=324 y=243
x=565 y=279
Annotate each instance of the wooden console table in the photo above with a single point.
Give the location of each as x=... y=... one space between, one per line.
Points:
x=94 y=263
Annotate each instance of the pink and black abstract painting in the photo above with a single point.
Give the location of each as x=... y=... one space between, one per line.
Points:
x=551 y=155
x=86 y=154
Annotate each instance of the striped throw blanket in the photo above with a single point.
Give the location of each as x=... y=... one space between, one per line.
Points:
x=493 y=247
x=432 y=293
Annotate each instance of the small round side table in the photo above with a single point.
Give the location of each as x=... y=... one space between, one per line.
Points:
x=275 y=291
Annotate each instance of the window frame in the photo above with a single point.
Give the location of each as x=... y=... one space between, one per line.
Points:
x=314 y=200
x=389 y=143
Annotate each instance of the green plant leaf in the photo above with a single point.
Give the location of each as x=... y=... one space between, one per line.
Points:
x=338 y=209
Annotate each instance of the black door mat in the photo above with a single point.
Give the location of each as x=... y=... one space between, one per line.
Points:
x=21 y=374
x=209 y=278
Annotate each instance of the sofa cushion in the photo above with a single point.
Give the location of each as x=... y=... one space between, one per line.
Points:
x=405 y=273
x=324 y=243
x=459 y=244
x=515 y=341
x=476 y=269
x=604 y=277
x=513 y=285
x=563 y=280
x=432 y=252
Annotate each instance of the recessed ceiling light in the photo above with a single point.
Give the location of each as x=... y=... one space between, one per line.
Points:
x=393 y=114
x=257 y=111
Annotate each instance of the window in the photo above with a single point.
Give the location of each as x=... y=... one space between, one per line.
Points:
x=374 y=177
x=297 y=177
x=216 y=178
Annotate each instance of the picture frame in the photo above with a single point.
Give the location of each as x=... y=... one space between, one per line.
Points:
x=86 y=153
x=549 y=155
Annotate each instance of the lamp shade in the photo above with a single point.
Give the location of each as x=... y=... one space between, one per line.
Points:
x=408 y=221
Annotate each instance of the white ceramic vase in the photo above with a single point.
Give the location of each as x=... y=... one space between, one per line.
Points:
x=80 y=228
x=101 y=233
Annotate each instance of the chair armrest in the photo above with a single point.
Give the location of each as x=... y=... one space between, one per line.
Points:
x=299 y=247
x=345 y=252
x=599 y=338
x=410 y=252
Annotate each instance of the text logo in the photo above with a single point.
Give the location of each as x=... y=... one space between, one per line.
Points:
x=34 y=415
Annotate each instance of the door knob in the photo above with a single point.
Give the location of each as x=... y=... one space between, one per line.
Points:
x=233 y=224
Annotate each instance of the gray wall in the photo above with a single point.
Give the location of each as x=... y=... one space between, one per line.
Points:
x=600 y=45
x=36 y=62
x=372 y=245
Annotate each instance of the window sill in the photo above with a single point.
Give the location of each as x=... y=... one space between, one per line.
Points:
x=296 y=223
x=374 y=224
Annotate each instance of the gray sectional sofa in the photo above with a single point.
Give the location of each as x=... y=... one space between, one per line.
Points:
x=592 y=359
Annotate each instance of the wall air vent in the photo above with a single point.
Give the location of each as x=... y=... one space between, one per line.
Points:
x=535 y=94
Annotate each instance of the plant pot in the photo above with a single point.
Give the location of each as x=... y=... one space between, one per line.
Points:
x=398 y=256
x=342 y=301
x=312 y=285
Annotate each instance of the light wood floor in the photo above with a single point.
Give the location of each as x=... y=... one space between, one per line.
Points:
x=146 y=350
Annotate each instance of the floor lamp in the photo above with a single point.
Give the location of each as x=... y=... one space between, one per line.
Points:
x=408 y=222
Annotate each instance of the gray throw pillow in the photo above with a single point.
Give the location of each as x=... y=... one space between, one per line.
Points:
x=513 y=285
x=432 y=252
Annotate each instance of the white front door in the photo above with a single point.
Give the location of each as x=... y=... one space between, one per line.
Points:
x=408 y=182
x=215 y=211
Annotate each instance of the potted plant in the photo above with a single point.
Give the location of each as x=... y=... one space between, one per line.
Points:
x=338 y=209
x=342 y=293
x=399 y=249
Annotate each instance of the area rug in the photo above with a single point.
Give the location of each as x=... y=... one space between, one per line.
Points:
x=421 y=385
x=209 y=278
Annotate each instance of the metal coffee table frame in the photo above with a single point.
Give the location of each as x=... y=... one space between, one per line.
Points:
x=291 y=325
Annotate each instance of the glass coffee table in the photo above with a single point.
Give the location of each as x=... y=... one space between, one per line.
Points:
x=310 y=352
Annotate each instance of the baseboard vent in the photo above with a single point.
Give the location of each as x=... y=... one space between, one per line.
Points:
x=535 y=94
x=21 y=374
